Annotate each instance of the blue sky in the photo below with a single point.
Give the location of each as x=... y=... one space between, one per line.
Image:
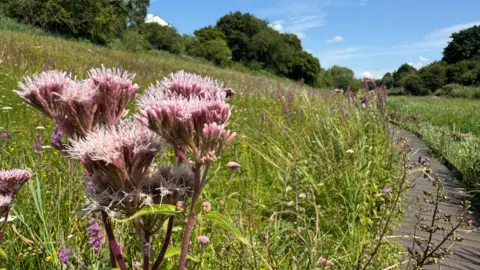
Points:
x=371 y=37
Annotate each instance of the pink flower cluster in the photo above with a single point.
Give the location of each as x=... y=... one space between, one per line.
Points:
x=189 y=111
x=79 y=106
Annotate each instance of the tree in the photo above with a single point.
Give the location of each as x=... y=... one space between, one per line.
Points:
x=97 y=20
x=325 y=78
x=466 y=72
x=403 y=70
x=304 y=66
x=413 y=85
x=292 y=40
x=137 y=10
x=434 y=75
x=388 y=80
x=465 y=45
x=239 y=28
x=342 y=77
x=162 y=37
x=208 y=33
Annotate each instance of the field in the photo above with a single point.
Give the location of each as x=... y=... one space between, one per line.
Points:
x=450 y=126
x=313 y=170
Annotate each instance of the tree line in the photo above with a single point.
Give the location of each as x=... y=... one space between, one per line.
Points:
x=460 y=65
x=237 y=39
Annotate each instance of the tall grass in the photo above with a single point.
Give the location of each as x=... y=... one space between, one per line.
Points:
x=313 y=169
x=450 y=126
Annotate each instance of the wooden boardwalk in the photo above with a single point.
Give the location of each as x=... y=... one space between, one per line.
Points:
x=466 y=254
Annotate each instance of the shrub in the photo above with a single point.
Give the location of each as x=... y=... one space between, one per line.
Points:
x=434 y=75
x=413 y=85
x=162 y=37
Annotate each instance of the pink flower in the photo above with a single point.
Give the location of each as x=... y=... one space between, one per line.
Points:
x=470 y=221
x=206 y=207
x=180 y=206
x=233 y=165
x=78 y=107
x=137 y=265
x=203 y=240
x=325 y=261
x=12 y=180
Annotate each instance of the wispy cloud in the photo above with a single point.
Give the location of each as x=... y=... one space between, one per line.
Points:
x=438 y=38
x=423 y=61
x=372 y=73
x=300 y=16
x=335 y=39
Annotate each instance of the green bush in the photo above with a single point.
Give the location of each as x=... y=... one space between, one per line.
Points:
x=413 y=85
x=132 y=41
x=162 y=37
x=434 y=75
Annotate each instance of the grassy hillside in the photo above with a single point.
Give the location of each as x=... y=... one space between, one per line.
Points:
x=301 y=150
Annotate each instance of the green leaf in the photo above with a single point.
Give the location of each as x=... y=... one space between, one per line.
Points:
x=3 y=254
x=157 y=209
x=176 y=252
x=223 y=222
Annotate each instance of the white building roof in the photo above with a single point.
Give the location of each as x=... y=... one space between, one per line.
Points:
x=156 y=19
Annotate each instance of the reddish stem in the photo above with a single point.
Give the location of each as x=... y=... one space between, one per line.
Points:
x=114 y=248
x=146 y=251
x=165 y=244
x=191 y=218
x=4 y=226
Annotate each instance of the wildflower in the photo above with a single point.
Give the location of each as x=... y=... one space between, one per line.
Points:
x=180 y=205
x=338 y=91
x=233 y=165
x=325 y=261
x=119 y=160
x=470 y=221
x=137 y=265
x=12 y=180
x=387 y=190
x=288 y=188
x=349 y=151
x=229 y=92
x=426 y=201
x=302 y=195
x=203 y=240
x=207 y=207
x=63 y=255
x=12 y=150
x=78 y=107
x=96 y=236
x=48 y=258
x=4 y=136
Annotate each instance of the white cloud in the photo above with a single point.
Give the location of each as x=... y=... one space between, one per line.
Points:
x=277 y=25
x=439 y=38
x=423 y=59
x=372 y=73
x=335 y=39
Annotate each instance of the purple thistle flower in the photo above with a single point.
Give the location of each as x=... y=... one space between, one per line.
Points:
x=4 y=136
x=12 y=180
x=203 y=240
x=63 y=254
x=233 y=165
x=387 y=190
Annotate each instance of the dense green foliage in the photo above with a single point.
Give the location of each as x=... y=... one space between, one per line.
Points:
x=161 y=37
x=434 y=75
x=334 y=165
x=402 y=71
x=465 y=45
x=412 y=83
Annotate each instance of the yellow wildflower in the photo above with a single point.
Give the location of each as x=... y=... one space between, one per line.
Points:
x=12 y=149
x=227 y=183
x=48 y=258
x=44 y=175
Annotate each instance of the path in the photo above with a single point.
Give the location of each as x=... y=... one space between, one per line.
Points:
x=466 y=254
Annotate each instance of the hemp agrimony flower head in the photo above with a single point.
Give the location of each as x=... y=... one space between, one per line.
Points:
x=187 y=85
x=119 y=160
x=10 y=182
x=78 y=107
x=189 y=112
